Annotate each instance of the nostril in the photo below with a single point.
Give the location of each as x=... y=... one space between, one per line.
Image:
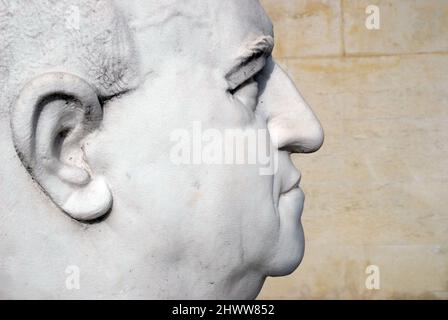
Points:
x=305 y=138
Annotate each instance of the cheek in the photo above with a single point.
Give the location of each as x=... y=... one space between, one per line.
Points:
x=190 y=204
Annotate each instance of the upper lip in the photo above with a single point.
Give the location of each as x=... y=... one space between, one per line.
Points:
x=293 y=186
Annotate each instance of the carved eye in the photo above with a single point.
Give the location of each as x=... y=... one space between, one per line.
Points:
x=243 y=80
x=247 y=93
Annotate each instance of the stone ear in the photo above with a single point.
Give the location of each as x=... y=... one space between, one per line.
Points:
x=50 y=120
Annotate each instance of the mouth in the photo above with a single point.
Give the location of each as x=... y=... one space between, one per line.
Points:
x=293 y=183
x=292 y=187
x=291 y=198
x=289 y=189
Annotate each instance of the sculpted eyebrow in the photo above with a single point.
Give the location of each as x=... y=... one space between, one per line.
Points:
x=250 y=62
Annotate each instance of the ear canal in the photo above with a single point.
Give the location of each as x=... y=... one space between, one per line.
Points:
x=42 y=119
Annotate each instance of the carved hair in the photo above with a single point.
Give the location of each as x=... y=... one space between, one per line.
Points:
x=34 y=36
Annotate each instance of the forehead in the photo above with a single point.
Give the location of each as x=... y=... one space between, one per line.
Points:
x=213 y=31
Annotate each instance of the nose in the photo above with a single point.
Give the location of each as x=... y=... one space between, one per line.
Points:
x=291 y=122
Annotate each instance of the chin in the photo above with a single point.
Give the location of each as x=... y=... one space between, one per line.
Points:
x=289 y=260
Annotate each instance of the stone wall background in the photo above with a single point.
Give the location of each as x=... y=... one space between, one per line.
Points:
x=377 y=192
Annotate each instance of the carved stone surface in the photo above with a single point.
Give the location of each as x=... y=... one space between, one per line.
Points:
x=123 y=114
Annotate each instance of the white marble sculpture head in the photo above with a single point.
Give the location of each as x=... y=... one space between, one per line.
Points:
x=92 y=93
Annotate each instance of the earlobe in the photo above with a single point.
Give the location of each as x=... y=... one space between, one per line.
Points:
x=50 y=120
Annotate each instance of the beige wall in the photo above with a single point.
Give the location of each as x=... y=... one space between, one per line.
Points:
x=377 y=192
